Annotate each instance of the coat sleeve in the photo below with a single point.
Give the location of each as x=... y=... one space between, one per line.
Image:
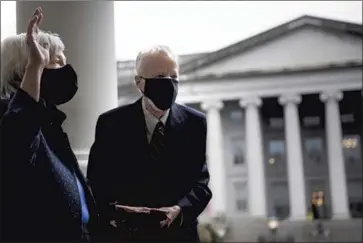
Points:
x=20 y=126
x=193 y=204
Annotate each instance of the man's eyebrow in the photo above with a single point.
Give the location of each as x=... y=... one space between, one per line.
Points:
x=166 y=75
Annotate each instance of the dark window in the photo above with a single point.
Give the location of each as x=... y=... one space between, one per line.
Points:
x=276 y=122
x=241 y=195
x=347 y=118
x=311 y=121
x=314 y=150
x=355 y=207
x=281 y=211
x=355 y=197
x=236 y=115
x=352 y=149
x=280 y=195
x=241 y=205
x=276 y=152
x=238 y=151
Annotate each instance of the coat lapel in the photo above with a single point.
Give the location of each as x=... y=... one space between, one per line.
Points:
x=176 y=117
x=173 y=130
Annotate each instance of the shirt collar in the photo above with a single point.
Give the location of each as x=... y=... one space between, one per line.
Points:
x=151 y=120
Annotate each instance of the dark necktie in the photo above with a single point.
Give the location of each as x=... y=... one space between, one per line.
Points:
x=157 y=141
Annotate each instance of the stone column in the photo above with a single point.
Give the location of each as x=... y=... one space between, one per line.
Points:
x=215 y=156
x=255 y=159
x=87 y=30
x=295 y=166
x=334 y=138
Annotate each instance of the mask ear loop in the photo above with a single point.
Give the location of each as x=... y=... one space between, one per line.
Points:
x=147 y=99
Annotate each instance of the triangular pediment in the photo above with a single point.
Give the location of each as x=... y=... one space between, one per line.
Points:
x=304 y=42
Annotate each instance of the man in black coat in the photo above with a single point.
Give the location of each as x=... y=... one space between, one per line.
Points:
x=147 y=166
x=44 y=196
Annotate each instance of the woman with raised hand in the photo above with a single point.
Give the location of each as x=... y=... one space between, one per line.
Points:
x=44 y=196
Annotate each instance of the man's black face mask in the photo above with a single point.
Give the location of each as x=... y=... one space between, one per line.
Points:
x=161 y=91
x=58 y=86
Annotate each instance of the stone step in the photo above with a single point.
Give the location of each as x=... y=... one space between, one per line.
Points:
x=248 y=230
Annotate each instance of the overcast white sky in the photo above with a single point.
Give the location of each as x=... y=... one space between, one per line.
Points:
x=199 y=26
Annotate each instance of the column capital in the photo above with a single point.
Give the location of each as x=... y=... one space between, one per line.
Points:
x=250 y=101
x=290 y=99
x=211 y=104
x=331 y=95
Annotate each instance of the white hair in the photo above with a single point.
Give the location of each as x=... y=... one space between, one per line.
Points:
x=14 y=58
x=154 y=50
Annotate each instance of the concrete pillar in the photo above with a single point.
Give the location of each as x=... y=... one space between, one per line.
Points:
x=87 y=30
x=254 y=152
x=215 y=156
x=295 y=166
x=334 y=139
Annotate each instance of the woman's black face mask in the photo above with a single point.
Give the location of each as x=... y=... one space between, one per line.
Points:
x=58 y=86
x=161 y=91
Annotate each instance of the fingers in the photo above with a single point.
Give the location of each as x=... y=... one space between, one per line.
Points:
x=39 y=13
x=168 y=221
x=164 y=223
x=170 y=216
x=33 y=26
x=40 y=19
x=113 y=223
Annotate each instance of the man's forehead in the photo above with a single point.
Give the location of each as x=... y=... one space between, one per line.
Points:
x=158 y=62
x=159 y=57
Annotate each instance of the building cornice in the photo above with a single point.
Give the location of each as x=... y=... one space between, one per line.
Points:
x=301 y=83
x=258 y=73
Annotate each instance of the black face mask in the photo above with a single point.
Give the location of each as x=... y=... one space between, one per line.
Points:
x=58 y=86
x=161 y=91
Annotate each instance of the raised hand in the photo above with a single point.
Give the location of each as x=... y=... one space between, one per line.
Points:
x=38 y=52
x=38 y=57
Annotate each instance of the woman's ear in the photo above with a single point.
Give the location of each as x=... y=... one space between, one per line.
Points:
x=61 y=59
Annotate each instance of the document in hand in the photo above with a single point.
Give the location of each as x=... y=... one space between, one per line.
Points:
x=139 y=216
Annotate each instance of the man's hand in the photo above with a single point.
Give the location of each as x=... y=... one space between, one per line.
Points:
x=171 y=214
x=128 y=210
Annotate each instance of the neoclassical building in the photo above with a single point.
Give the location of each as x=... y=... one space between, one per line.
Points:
x=284 y=111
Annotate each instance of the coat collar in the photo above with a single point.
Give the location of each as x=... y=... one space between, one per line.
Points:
x=52 y=113
x=55 y=115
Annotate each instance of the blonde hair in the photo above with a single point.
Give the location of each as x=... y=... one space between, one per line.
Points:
x=154 y=50
x=14 y=58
